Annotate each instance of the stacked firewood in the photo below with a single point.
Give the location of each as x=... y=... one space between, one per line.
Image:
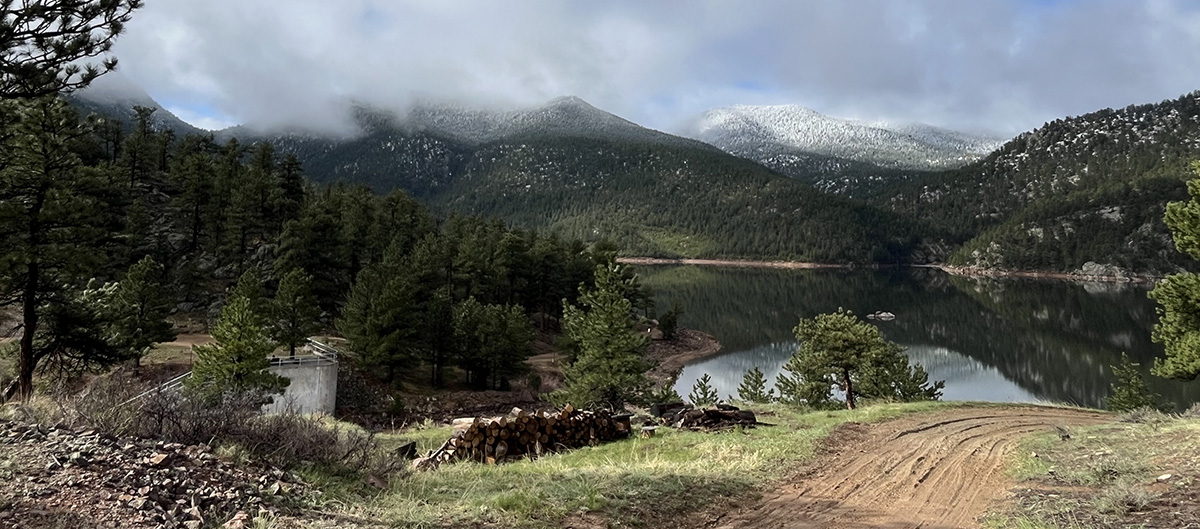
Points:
x=524 y=434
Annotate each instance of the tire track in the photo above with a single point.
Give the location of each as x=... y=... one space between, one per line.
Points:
x=928 y=471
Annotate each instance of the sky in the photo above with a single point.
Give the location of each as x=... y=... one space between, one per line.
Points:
x=986 y=66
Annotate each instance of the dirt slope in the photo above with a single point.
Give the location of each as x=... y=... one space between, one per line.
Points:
x=929 y=471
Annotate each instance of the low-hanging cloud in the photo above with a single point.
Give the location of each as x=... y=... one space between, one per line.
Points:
x=994 y=66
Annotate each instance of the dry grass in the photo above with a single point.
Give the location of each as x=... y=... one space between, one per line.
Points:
x=1110 y=476
x=653 y=482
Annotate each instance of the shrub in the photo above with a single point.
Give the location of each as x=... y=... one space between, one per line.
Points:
x=1130 y=391
x=753 y=388
x=668 y=323
x=703 y=393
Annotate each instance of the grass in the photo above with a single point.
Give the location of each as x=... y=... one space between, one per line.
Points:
x=635 y=482
x=1107 y=476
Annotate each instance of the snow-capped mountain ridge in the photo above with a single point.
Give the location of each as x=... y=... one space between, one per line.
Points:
x=562 y=116
x=763 y=132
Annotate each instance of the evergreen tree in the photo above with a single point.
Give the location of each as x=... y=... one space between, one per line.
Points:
x=753 y=388
x=44 y=43
x=239 y=357
x=839 y=350
x=1178 y=327
x=1130 y=391
x=381 y=315
x=51 y=222
x=313 y=243
x=139 y=309
x=703 y=393
x=249 y=286
x=668 y=323
x=493 y=342
x=294 y=311
x=610 y=369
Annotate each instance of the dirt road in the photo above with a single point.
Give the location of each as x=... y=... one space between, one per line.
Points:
x=928 y=471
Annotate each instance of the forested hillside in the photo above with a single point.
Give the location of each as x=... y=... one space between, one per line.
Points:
x=584 y=173
x=1086 y=189
x=92 y=209
x=1082 y=195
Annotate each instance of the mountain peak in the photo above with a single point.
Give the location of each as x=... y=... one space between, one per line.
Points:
x=568 y=101
x=769 y=131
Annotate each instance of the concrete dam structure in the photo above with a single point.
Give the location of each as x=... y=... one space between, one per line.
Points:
x=313 y=374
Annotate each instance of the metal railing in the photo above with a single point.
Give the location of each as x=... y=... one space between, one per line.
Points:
x=321 y=354
x=174 y=383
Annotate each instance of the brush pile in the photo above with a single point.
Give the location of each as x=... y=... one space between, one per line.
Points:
x=523 y=434
x=685 y=416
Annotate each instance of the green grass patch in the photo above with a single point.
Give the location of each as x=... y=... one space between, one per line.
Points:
x=1105 y=476
x=635 y=482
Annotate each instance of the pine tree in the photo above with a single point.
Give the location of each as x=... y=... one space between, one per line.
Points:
x=294 y=311
x=1178 y=327
x=753 y=388
x=703 y=393
x=668 y=323
x=610 y=369
x=239 y=357
x=493 y=342
x=44 y=44
x=249 y=286
x=380 y=318
x=139 y=309
x=1130 y=391
x=52 y=222
x=839 y=350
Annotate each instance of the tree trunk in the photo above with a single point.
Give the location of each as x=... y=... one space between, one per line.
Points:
x=849 y=389
x=29 y=313
x=29 y=322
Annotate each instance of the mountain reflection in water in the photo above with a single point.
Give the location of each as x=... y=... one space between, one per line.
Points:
x=1000 y=340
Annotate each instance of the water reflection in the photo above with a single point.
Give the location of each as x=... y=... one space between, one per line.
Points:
x=1009 y=340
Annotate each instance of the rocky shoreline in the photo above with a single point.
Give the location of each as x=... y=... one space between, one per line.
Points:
x=744 y=263
x=969 y=271
x=1104 y=274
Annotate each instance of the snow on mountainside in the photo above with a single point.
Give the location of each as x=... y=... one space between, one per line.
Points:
x=774 y=134
x=564 y=116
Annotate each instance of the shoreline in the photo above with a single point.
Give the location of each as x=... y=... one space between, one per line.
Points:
x=739 y=263
x=1030 y=274
x=688 y=347
x=669 y=357
x=952 y=270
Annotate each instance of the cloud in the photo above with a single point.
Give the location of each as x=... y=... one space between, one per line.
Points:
x=990 y=65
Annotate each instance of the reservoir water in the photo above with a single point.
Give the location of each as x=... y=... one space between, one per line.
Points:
x=998 y=340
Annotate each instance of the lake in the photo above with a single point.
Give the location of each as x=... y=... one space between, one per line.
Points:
x=998 y=340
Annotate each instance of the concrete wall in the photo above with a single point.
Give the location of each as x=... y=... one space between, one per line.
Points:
x=313 y=388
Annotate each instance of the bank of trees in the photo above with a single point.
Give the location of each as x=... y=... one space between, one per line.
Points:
x=107 y=229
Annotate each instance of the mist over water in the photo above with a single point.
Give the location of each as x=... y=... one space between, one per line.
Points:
x=997 y=340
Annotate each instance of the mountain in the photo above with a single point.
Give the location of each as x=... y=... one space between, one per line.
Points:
x=115 y=95
x=580 y=171
x=1083 y=194
x=836 y=155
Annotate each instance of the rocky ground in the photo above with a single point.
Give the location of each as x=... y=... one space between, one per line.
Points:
x=62 y=478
